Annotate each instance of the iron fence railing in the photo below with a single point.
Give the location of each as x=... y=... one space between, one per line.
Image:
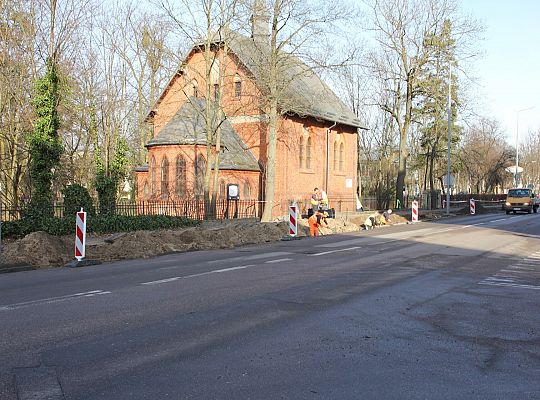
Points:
x=227 y=209
x=193 y=209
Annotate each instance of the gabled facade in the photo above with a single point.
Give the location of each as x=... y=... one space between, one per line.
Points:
x=317 y=137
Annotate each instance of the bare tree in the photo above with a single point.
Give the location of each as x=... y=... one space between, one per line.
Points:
x=284 y=53
x=401 y=28
x=484 y=155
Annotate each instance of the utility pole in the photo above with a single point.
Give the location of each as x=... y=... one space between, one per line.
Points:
x=449 y=133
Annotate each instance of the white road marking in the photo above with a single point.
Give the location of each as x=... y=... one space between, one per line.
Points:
x=508 y=284
x=217 y=271
x=334 y=251
x=252 y=257
x=499 y=280
x=162 y=281
x=277 y=261
x=50 y=300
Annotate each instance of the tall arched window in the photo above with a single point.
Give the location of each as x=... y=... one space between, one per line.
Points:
x=180 y=176
x=237 y=86
x=195 y=86
x=247 y=191
x=145 y=190
x=336 y=155
x=200 y=170
x=153 y=176
x=342 y=157
x=302 y=151
x=308 y=153
x=222 y=189
x=164 y=177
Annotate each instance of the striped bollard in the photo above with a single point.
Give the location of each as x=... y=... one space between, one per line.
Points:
x=414 y=217
x=472 y=206
x=80 y=235
x=293 y=221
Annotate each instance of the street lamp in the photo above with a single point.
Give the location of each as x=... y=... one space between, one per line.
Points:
x=517 y=144
x=449 y=110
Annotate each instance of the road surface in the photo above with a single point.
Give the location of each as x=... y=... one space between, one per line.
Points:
x=445 y=310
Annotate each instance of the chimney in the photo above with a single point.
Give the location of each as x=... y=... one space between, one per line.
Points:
x=260 y=22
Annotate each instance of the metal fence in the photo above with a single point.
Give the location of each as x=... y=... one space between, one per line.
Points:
x=193 y=209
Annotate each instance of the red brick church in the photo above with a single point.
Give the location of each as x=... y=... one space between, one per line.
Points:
x=317 y=135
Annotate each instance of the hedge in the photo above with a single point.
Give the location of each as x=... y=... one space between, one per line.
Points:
x=96 y=224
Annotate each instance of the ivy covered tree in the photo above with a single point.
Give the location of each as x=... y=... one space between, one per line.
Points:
x=108 y=175
x=45 y=145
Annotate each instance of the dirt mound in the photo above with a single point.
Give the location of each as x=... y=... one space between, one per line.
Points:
x=39 y=249
x=42 y=250
x=396 y=218
x=479 y=209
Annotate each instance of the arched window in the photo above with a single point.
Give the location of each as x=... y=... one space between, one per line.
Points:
x=195 y=86
x=237 y=86
x=200 y=170
x=180 y=176
x=247 y=191
x=308 y=153
x=164 y=177
x=216 y=92
x=302 y=151
x=336 y=155
x=153 y=174
x=342 y=157
x=222 y=189
x=145 y=190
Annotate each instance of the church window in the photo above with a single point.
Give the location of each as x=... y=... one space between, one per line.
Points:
x=341 y=157
x=180 y=176
x=200 y=171
x=237 y=86
x=153 y=180
x=308 y=153
x=164 y=177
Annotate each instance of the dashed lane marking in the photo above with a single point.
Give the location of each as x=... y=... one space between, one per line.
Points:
x=252 y=257
x=217 y=271
x=51 y=300
x=334 y=251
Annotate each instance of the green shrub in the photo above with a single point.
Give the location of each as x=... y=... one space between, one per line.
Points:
x=97 y=224
x=76 y=197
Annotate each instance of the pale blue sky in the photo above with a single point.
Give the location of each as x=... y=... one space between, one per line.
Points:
x=509 y=72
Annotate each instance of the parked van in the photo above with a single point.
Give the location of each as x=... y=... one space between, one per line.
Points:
x=521 y=199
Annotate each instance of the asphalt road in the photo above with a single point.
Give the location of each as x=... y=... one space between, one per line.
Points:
x=445 y=310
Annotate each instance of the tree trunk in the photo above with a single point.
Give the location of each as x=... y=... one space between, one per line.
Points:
x=271 y=163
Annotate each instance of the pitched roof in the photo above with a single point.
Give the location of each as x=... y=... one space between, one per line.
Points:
x=303 y=92
x=188 y=127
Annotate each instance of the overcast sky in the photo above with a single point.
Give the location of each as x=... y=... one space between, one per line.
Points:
x=509 y=72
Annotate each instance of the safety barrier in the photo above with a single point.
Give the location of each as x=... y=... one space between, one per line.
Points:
x=80 y=235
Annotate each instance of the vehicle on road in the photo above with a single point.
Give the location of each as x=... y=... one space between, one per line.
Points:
x=521 y=199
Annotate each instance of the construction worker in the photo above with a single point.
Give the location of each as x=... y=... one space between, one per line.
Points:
x=315 y=202
x=316 y=221
x=323 y=200
x=386 y=216
x=372 y=220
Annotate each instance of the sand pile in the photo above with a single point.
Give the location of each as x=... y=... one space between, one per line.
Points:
x=42 y=250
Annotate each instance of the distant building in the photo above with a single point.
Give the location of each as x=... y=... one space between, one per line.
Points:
x=317 y=136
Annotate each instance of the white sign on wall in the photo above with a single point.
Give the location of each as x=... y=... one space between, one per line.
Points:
x=348 y=183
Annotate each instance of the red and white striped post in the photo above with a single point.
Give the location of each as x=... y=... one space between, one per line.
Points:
x=293 y=220
x=472 y=206
x=80 y=235
x=414 y=216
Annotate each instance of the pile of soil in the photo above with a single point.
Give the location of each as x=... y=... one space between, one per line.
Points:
x=40 y=249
